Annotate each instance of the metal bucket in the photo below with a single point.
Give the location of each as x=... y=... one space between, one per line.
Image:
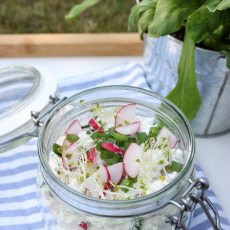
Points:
x=162 y=55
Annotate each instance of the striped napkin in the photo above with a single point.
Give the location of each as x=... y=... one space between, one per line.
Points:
x=19 y=208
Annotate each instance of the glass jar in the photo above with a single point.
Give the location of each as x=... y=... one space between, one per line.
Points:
x=64 y=208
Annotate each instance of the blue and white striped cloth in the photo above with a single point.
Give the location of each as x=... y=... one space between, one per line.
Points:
x=19 y=208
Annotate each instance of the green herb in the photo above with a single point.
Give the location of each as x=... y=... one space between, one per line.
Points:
x=98 y=145
x=111 y=130
x=111 y=140
x=85 y=126
x=115 y=159
x=160 y=126
x=186 y=95
x=103 y=135
x=57 y=149
x=142 y=137
x=138 y=224
x=126 y=183
x=71 y=138
x=132 y=140
x=120 y=137
x=94 y=135
x=175 y=166
x=133 y=180
x=106 y=154
x=153 y=131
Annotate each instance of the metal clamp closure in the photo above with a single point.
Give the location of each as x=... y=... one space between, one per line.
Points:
x=188 y=202
x=37 y=119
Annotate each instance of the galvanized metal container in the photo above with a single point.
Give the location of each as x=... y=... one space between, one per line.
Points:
x=162 y=55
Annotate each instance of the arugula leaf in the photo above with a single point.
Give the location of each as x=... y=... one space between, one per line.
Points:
x=137 y=9
x=144 y=21
x=57 y=149
x=201 y=22
x=77 y=9
x=185 y=95
x=170 y=15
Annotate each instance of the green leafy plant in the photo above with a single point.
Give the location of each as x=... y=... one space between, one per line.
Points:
x=204 y=21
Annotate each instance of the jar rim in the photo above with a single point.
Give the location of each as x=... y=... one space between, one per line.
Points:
x=156 y=194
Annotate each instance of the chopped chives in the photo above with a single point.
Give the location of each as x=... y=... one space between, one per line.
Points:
x=111 y=140
x=121 y=144
x=175 y=166
x=127 y=183
x=133 y=180
x=127 y=144
x=142 y=137
x=85 y=126
x=123 y=148
x=106 y=154
x=160 y=126
x=115 y=159
x=132 y=140
x=71 y=138
x=94 y=135
x=154 y=131
x=103 y=135
x=120 y=137
x=57 y=149
x=111 y=130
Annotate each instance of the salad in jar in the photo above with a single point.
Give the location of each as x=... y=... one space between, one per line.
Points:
x=115 y=154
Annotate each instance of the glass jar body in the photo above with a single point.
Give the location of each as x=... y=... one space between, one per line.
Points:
x=58 y=215
x=72 y=210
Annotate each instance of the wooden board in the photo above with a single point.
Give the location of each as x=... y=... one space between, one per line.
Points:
x=67 y=45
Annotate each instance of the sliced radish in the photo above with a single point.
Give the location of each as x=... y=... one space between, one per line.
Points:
x=90 y=183
x=131 y=165
x=116 y=172
x=71 y=155
x=91 y=155
x=129 y=129
x=126 y=113
x=165 y=133
x=83 y=225
x=67 y=143
x=74 y=128
x=95 y=126
x=112 y=147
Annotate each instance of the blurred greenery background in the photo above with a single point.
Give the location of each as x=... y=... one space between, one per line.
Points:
x=48 y=16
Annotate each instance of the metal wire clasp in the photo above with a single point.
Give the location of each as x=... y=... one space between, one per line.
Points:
x=37 y=119
x=188 y=202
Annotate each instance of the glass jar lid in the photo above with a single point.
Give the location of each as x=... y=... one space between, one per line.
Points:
x=23 y=88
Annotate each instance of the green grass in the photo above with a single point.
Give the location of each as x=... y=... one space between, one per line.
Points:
x=47 y=16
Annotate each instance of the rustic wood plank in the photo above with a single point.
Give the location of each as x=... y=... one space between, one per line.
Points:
x=67 y=45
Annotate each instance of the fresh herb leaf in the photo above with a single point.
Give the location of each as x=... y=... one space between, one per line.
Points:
x=94 y=135
x=120 y=137
x=77 y=9
x=186 y=95
x=115 y=159
x=111 y=130
x=132 y=140
x=106 y=154
x=142 y=137
x=133 y=180
x=57 y=149
x=127 y=183
x=170 y=16
x=175 y=166
x=112 y=140
x=71 y=138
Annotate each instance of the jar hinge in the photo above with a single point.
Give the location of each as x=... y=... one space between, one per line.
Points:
x=188 y=202
x=37 y=119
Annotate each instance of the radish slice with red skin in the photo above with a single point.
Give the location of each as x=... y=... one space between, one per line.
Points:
x=71 y=149
x=95 y=126
x=83 y=225
x=116 y=172
x=67 y=143
x=91 y=155
x=129 y=129
x=132 y=153
x=112 y=147
x=74 y=128
x=165 y=133
x=127 y=113
x=90 y=183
